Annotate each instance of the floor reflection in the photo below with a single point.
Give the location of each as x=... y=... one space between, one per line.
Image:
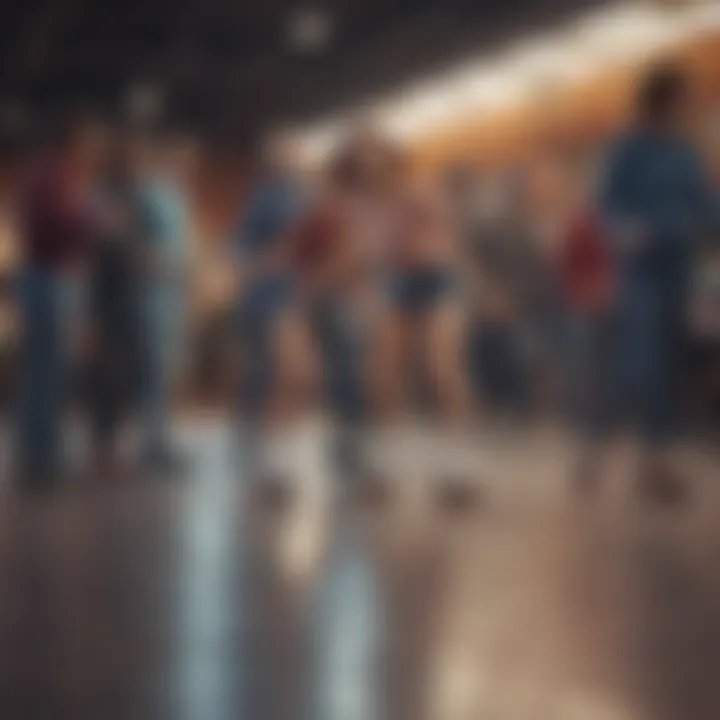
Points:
x=347 y=634
x=181 y=600
x=211 y=653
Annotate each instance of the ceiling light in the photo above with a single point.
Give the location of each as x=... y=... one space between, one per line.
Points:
x=588 y=45
x=309 y=30
x=144 y=102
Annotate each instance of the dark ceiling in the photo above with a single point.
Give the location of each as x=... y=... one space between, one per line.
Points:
x=228 y=64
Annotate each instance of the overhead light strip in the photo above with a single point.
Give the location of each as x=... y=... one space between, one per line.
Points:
x=573 y=53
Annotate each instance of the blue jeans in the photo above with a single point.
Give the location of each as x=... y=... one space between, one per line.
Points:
x=649 y=344
x=164 y=320
x=49 y=304
x=258 y=312
x=342 y=350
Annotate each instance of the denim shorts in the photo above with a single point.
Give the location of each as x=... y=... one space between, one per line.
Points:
x=416 y=292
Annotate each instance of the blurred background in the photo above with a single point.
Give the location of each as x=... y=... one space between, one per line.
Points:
x=133 y=139
x=514 y=95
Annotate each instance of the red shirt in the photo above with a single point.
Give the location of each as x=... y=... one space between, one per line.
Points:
x=315 y=240
x=57 y=227
x=585 y=266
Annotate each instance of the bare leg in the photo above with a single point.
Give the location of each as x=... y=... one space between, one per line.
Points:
x=294 y=380
x=387 y=352
x=296 y=370
x=444 y=337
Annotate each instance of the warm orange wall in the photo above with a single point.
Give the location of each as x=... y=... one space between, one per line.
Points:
x=589 y=112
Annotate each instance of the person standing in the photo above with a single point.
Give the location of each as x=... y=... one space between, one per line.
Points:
x=114 y=364
x=655 y=203
x=56 y=231
x=586 y=278
x=166 y=229
x=277 y=364
x=338 y=249
x=423 y=325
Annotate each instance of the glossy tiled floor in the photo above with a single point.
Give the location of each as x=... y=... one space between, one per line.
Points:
x=176 y=601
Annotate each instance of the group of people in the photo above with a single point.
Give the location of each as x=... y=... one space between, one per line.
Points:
x=104 y=226
x=369 y=286
x=366 y=292
x=348 y=293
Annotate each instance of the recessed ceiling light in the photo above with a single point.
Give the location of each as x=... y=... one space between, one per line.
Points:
x=309 y=30
x=615 y=36
x=144 y=101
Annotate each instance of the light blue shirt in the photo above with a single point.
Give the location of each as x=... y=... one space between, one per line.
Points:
x=166 y=222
